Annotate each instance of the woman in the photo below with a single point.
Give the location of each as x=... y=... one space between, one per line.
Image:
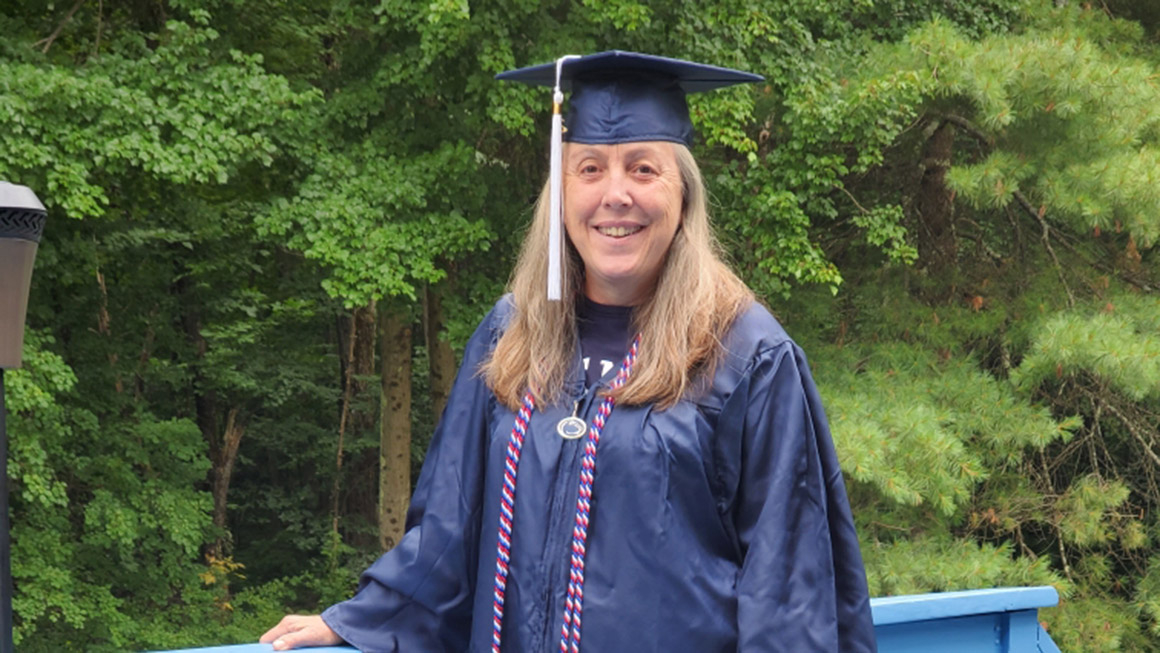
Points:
x=682 y=496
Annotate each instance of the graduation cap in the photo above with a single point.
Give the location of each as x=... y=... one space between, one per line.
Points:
x=616 y=97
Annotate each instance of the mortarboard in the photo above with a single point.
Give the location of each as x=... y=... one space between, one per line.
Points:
x=616 y=97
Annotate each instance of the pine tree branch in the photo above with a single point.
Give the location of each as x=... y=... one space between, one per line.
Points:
x=1058 y=531
x=1096 y=434
x=1069 y=450
x=1015 y=229
x=1091 y=437
x=891 y=527
x=968 y=126
x=1023 y=544
x=1100 y=265
x=980 y=242
x=1063 y=554
x=986 y=139
x=1128 y=424
x=1046 y=242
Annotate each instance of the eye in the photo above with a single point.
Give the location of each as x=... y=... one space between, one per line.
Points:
x=587 y=168
x=645 y=169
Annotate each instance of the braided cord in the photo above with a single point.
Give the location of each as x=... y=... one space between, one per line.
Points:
x=574 y=602
x=507 y=514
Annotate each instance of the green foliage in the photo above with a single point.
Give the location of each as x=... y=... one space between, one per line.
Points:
x=240 y=175
x=1094 y=625
x=107 y=525
x=382 y=239
x=925 y=432
x=174 y=113
x=1120 y=349
x=925 y=564
x=1084 y=509
x=1054 y=128
x=919 y=395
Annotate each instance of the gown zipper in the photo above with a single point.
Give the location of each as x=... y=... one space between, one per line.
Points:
x=555 y=560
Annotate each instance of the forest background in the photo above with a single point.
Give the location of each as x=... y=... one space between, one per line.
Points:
x=272 y=224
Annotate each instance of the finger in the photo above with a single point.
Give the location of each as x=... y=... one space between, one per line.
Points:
x=272 y=634
x=304 y=637
x=288 y=624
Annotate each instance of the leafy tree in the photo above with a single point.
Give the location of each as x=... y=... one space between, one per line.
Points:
x=1018 y=184
x=258 y=210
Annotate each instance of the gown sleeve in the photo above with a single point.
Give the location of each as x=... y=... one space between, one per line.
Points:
x=802 y=586
x=418 y=595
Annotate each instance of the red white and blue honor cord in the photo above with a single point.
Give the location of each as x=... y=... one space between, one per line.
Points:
x=507 y=514
x=574 y=602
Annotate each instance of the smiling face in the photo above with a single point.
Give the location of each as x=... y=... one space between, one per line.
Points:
x=622 y=207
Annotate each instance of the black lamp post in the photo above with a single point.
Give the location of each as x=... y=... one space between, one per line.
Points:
x=22 y=218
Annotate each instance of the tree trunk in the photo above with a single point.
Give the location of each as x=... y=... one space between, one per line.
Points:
x=204 y=401
x=362 y=413
x=937 y=245
x=356 y=421
x=439 y=354
x=103 y=327
x=223 y=470
x=395 y=434
x=223 y=448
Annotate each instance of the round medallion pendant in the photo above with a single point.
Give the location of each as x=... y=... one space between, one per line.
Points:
x=571 y=428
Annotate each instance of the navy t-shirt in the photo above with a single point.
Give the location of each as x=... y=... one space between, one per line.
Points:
x=605 y=336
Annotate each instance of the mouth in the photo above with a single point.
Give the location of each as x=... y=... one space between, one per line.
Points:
x=618 y=232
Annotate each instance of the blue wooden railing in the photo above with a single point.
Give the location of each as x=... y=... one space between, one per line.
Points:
x=1003 y=620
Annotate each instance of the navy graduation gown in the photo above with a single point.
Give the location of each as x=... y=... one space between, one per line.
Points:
x=718 y=525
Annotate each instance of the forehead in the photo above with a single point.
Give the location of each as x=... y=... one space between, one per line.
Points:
x=652 y=149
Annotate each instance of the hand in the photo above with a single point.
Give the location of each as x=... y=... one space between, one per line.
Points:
x=300 y=630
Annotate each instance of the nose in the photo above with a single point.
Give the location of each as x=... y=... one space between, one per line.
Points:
x=617 y=195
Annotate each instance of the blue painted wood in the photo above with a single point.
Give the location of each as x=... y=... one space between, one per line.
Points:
x=1023 y=629
x=943 y=605
x=1003 y=620
x=1000 y=632
x=977 y=634
x=1046 y=644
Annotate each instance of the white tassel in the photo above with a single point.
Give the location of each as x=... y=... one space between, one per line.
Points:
x=556 y=189
x=555 y=210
